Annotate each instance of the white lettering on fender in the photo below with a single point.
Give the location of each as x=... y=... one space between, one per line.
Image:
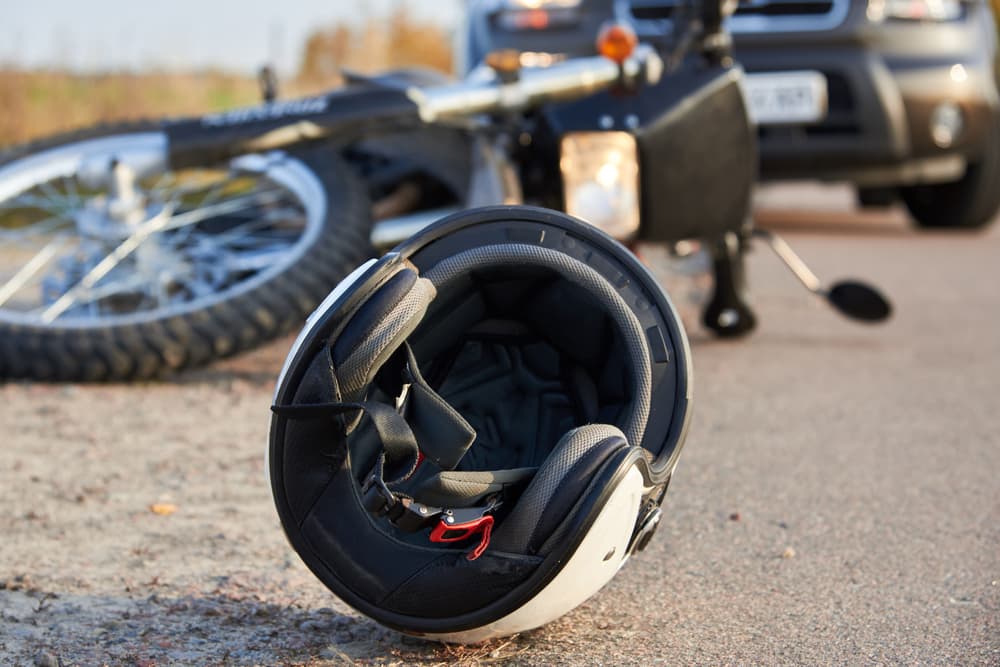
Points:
x=271 y=111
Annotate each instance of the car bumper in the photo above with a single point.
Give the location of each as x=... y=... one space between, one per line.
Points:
x=878 y=127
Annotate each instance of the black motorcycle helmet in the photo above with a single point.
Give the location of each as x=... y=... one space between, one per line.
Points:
x=473 y=433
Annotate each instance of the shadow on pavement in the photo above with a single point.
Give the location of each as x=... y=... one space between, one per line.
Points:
x=46 y=627
x=255 y=367
x=891 y=223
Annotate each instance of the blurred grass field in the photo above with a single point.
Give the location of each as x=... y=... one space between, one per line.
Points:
x=38 y=103
x=34 y=104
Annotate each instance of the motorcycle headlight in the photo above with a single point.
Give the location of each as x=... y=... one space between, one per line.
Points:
x=538 y=14
x=600 y=172
x=914 y=10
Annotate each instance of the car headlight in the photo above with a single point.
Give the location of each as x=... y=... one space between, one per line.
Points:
x=538 y=14
x=914 y=10
x=600 y=172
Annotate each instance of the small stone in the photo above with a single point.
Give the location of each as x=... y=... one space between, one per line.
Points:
x=18 y=582
x=47 y=659
x=788 y=553
x=310 y=625
x=735 y=516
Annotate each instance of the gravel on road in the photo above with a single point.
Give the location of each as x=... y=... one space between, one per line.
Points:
x=838 y=501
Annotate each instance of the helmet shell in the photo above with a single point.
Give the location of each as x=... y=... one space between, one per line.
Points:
x=366 y=564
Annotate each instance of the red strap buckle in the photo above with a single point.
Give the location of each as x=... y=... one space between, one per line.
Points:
x=457 y=532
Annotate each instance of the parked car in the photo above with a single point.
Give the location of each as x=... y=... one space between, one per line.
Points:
x=898 y=97
x=696 y=154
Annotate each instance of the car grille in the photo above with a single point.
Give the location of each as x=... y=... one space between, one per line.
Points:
x=750 y=16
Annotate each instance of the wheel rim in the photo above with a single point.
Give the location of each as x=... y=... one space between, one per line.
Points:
x=101 y=232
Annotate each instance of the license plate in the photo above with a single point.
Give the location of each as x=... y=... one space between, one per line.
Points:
x=780 y=98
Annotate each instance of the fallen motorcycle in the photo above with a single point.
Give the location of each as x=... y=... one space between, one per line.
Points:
x=130 y=251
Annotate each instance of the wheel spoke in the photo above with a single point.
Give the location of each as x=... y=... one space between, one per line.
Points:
x=251 y=242
x=177 y=193
x=33 y=230
x=91 y=297
x=70 y=185
x=33 y=266
x=161 y=222
x=225 y=207
x=198 y=288
x=25 y=201
x=126 y=248
x=55 y=197
x=69 y=250
x=255 y=260
x=163 y=182
x=213 y=194
x=233 y=235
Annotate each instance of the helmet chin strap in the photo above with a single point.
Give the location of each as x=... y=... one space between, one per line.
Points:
x=444 y=435
x=434 y=430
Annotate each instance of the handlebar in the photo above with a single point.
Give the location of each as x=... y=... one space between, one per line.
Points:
x=357 y=110
x=573 y=78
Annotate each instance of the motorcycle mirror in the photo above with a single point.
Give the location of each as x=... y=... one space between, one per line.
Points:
x=859 y=301
x=850 y=297
x=267 y=80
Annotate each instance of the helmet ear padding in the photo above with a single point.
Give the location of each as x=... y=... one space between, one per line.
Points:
x=555 y=489
x=378 y=328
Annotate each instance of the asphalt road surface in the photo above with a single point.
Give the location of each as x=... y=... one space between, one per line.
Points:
x=838 y=500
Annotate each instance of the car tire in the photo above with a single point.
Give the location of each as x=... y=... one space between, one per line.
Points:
x=876 y=197
x=971 y=202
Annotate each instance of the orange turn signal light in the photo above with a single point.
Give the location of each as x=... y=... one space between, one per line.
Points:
x=617 y=42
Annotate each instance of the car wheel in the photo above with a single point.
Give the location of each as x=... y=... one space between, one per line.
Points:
x=876 y=197
x=971 y=202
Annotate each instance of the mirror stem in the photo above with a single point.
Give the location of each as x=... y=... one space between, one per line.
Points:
x=791 y=260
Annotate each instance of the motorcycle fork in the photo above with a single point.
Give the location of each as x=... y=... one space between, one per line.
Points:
x=495 y=178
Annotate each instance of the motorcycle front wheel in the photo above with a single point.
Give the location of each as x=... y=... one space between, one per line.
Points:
x=113 y=266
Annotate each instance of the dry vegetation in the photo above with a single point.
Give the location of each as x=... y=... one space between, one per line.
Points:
x=397 y=41
x=39 y=103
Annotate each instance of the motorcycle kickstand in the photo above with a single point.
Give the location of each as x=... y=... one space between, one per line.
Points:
x=728 y=313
